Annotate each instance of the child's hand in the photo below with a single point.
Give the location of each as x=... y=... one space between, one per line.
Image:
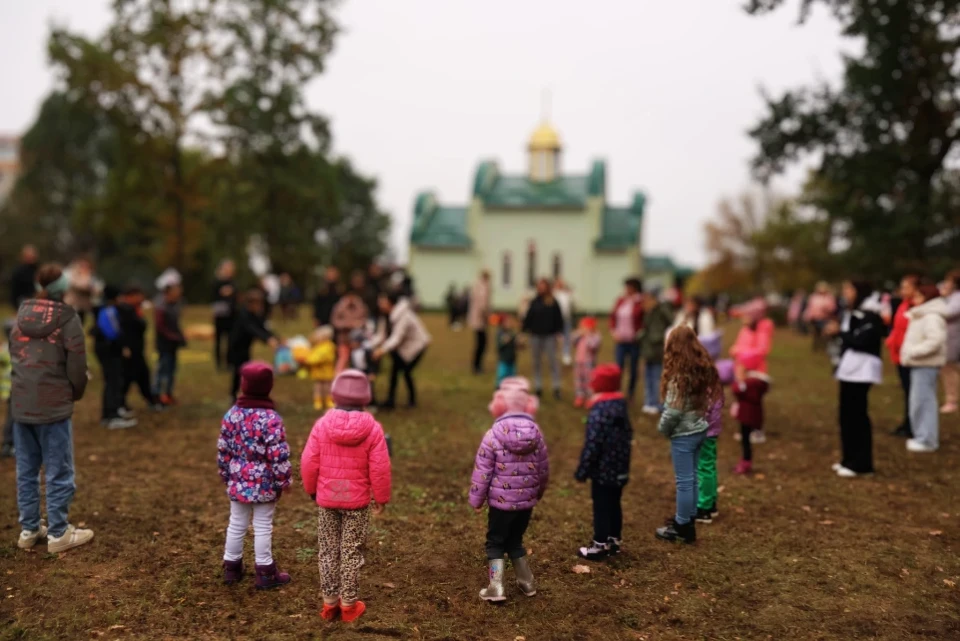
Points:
x=273 y=342
x=478 y=510
x=126 y=352
x=376 y=508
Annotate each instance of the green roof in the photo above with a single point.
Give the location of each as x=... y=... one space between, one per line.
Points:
x=439 y=227
x=500 y=191
x=659 y=264
x=619 y=229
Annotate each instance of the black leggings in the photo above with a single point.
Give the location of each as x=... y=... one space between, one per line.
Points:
x=222 y=325
x=406 y=367
x=136 y=372
x=745 y=442
x=607 y=513
x=480 y=348
x=505 y=530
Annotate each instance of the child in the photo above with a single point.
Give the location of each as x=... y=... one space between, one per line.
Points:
x=361 y=359
x=344 y=461
x=254 y=461
x=507 y=346
x=754 y=340
x=586 y=345
x=606 y=460
x=6 y=379
x=108 y=346
x=707 y=464
x=510 y=475
x=657 y=318
x=133 y=327
x=169 y=340
x=321 y=362
x=690 y=387
x=249 y=325
x=749 y=389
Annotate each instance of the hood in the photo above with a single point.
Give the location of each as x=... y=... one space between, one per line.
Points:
x=40 y=318
x=517 y=433
x=936 y=306
x=348 y=428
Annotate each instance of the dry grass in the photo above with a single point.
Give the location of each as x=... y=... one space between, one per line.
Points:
x=796 y=554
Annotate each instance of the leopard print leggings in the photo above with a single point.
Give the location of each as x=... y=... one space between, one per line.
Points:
x=340 y=535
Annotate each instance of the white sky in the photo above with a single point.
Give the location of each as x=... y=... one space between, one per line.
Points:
x=419 y=91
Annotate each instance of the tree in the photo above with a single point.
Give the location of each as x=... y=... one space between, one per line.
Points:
x=883 y=137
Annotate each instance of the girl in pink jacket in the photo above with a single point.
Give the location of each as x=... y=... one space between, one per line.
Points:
x=510 y=475
x=753 y=344
x=344 y=462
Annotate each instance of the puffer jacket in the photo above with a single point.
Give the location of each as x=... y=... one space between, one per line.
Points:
x=925 y=343
x=755 y=339
x=606 y=449
x=253 y=456
x=715 y=418
x=49 y=362
x=345 y=460
x=511 y=470
x=678 y=419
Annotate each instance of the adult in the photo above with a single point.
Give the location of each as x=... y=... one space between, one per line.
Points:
x=452 y=300
x=406 y=342
x=626 y=321
x=924 y=351
x=349 y=314
x=23 y=280
x=49 y=375
x=270 y=284
x=950 y=374
x=860 y=333
x=561 y=291
x=795 y=311
x=821 y=308
x=544 y=323
x=908 y=289
x=84 y=289
x=328 y=294
x=697 y=316
x=224 y=310
x=366 y=290
x=653 y=338
x=478 y=312
x=289 y=297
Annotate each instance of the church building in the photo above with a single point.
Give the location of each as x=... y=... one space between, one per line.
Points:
x=522 y=227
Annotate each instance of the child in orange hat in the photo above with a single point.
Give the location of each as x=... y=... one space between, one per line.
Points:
x=587 y=344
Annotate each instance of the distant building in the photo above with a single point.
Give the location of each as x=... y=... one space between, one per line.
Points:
x=9 y=165
x=523 y=227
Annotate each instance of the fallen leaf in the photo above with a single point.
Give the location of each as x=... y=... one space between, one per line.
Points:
x=944 y=515
x=82 y=524
x=156 y=534
x=92 y=457
x=296 y=616
x=520 y=639
x=759 y=477
x=721 y=489
x=949 y=583
x=388 y=585
x=807 y=508
x=826 y=522
x=581 y=569
x=939 y=569
x=936 y=532
x=739 y=510
x=904 y=572
x=117 y=627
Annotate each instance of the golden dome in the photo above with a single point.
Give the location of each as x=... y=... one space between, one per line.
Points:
x=545 y=137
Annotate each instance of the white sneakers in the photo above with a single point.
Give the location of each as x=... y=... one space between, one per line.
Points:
x=913 y=445
x=843 y=472
x=650 y=409
x=72 y=538
x=28 y=539
x=121 y=423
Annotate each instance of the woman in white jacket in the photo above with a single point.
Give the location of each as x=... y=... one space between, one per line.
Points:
x=924 y=350
x=406 y=341
x=697 y=317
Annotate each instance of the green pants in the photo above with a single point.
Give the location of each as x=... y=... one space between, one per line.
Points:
x=707 y=474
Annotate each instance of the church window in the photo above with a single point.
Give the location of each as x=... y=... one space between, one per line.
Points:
x=507 y=270
x=531 y=264
x=557 y=266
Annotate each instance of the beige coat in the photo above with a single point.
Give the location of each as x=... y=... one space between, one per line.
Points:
x=925 y=344
x=479 y=310
x=408 y=336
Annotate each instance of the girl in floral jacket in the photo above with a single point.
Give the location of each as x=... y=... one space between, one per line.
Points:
x=254 y=461
x=510 y=475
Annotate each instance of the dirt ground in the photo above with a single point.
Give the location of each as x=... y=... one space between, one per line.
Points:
x=796 y=553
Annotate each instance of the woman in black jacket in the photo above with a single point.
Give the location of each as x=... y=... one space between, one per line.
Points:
x=544 y=324
x=860 y=333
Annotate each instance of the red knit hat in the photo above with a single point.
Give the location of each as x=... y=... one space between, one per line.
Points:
x=605 y=378
x=588 y=323
x=256 y=379
x=351 y=389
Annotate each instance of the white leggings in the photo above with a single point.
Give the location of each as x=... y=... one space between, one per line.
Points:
x=240 y=514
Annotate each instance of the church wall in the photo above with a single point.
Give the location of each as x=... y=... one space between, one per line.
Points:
x=609 y=271
x=434 y=269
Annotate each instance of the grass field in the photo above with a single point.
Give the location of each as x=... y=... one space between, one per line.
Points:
x=795 y=554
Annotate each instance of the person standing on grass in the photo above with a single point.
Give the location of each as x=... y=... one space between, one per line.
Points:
x=626 y=321
x=860 y=332
x=750 y=386
x=707 y=490
x=510 y=474
x=224 y=310
x=253 y=458
x=508 y=342
x=754 y=342
x=605 y=460
x=406 y=342
x=109 y=346
x=478 y=314
x=690 y=388
x=24 y=278
x=544 y=324
x=250 y=325
x=657 y=317
x=133 y=328
x=565 y=300
x=328 y=294
x=170 y=340
x=908 y=289
x=345 y=468
x=950 y=373
x=49 y=376
x=924 y=351
x=586 y=343
x=821 y=309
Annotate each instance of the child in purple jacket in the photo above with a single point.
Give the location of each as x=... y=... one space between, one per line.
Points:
x=510 y=475
x=707 y=466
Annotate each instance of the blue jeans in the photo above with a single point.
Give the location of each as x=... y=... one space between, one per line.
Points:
x=49 y=446
x=924 y=407
x=685 y=451
x=651 y=384
x=504 y=370
x=166 y=370
x=621 y=353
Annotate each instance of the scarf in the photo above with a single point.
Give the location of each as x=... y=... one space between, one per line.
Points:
x=604 y=396
x=255 y=402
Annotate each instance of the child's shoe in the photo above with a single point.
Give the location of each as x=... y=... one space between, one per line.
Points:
x=613 y=544
x=70 y=539
x=677 y=532
x=167 y=400
x=596 y=552
x=757 y=437
x=578 y=402
x=7 y=451
x=524 y=574
x=704 y=516
x=743 y=467
x=317 y=403
x=232 y=572
x=268 y=576
x=330 y=611
x=352 y=611
x=29 y=538
x=494 y=591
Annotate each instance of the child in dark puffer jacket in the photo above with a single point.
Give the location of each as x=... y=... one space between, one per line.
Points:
x=606 y=460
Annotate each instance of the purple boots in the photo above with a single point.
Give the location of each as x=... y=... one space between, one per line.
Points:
x=268 y=576
x=232 y=572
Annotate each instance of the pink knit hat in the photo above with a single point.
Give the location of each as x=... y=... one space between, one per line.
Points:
x=256 y=379
x=515 y=382
x=351 y=389
x=513 y=400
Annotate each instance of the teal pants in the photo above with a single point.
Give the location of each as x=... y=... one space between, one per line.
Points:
x=707 y=474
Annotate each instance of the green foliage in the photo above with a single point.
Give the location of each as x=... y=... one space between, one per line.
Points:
x=881 y=139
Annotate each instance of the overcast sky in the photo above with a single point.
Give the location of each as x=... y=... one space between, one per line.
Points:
x=419 y=91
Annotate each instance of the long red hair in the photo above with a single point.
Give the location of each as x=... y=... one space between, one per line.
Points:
x=688 y=371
